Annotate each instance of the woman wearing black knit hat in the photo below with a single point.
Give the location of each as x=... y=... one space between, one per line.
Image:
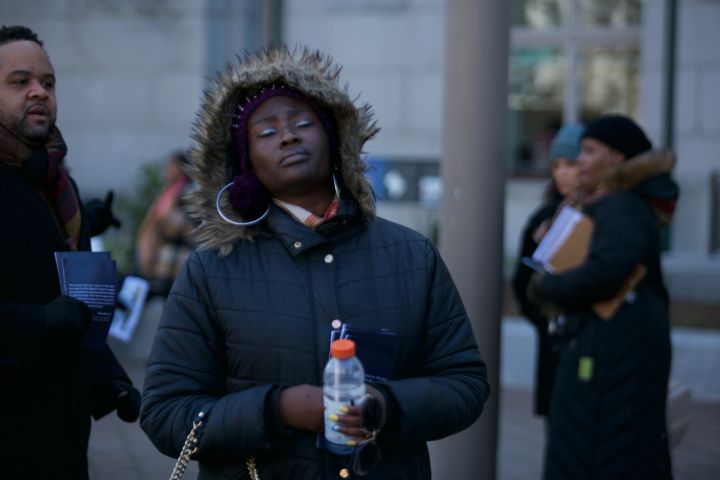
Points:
x=290 y=251
x=607 y=412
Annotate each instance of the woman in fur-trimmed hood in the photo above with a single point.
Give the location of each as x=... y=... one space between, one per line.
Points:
x=608 y=408
x=215 y=160
x=290 y=251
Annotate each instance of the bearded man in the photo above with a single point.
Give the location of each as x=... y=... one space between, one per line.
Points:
x=50 y=386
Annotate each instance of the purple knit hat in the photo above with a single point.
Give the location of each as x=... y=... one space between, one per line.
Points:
x=248 y=196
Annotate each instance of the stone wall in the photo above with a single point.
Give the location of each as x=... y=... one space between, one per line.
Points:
x=129 y=80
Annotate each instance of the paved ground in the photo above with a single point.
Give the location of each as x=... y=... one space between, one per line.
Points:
x=121 y=451
x=697 y=457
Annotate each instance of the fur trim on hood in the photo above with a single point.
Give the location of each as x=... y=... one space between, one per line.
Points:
x=630 y=173
x=647 y=175
x=213 y=159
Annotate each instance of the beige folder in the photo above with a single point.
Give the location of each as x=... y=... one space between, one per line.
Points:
x=572 y=250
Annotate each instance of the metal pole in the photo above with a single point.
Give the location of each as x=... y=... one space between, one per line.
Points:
x=572 y=106
x=472 y=208
x=272 y=22
x=668 y=134
x=231 y=28
x=668 y=125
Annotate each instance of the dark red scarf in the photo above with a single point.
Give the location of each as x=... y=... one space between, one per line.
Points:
x=56 y=187
x=60 y=191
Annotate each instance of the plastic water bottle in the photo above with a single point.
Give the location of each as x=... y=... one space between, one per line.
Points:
x=343 y=385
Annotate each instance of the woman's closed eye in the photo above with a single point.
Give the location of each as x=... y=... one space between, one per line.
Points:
x=266 y=132
x=269 y=131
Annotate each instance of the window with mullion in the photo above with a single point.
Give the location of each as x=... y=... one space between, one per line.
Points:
x=570 y=60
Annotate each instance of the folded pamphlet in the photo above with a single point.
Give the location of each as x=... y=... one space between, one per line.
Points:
x=90 y=277
x=375 y=348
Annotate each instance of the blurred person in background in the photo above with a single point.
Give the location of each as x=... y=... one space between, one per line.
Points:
x=608 y=404
x=562 y=155
x=50 y=387
x=289 y=250
x=164 y=240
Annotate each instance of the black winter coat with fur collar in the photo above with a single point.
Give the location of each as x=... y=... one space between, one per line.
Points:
x=607 y=412
x=252 y=310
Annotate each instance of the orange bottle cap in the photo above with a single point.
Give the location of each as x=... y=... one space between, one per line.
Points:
x=342 y=349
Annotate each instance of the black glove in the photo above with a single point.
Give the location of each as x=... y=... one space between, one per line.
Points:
x=545 y=308
x=67 y=315
x=100 y=214
x=128 y=401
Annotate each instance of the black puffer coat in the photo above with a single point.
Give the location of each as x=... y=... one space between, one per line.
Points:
x=253 y=310
x=607 y=413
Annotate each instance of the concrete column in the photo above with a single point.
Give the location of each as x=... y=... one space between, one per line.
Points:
x=472 y=207
x=236 y=26
x=668 y=127
x=272 y=22
x=231 y=28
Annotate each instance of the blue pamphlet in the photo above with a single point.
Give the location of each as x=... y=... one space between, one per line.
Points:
x=90 y=277
x=377 y=350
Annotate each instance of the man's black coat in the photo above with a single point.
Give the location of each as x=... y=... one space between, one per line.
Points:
x=49 y=387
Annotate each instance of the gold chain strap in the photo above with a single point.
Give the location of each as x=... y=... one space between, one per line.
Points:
x=190 y=447
x=252 y=468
